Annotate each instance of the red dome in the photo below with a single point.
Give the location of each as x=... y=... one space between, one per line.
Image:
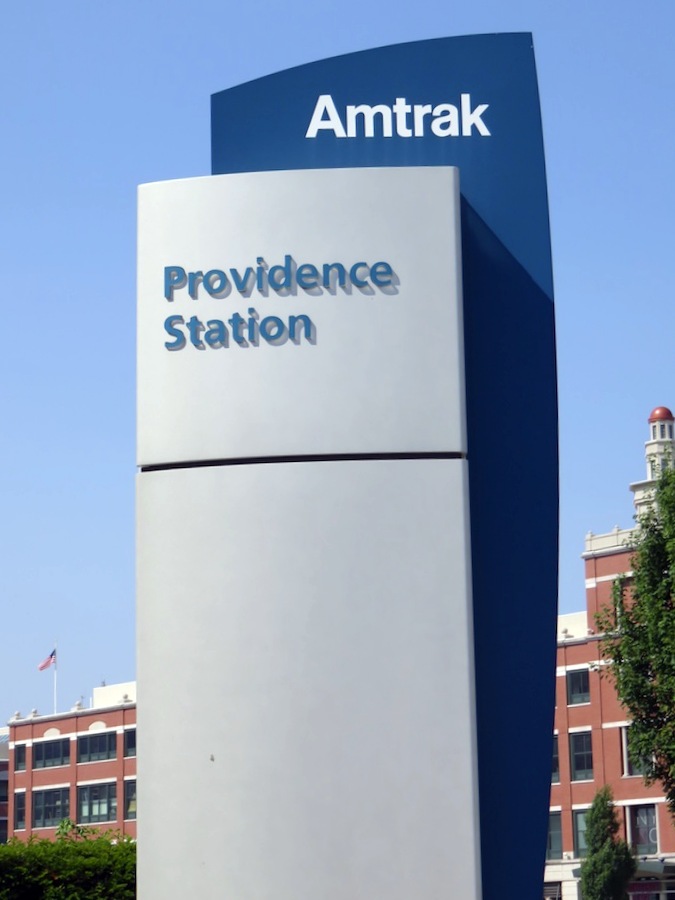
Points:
x=660 y=414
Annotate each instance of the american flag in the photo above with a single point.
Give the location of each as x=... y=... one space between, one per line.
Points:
x=46 y=663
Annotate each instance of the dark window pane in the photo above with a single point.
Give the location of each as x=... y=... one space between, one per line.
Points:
x=19 y=757
x=97 y=803
x=578 y=687
x=129 y=799
x=20 y=810
x=581 y=756
x=50 y=807
x=554 y=848
x=51 y=753
x=643 y=836
x=130 y=742
x=579 y=822
x=94 y=747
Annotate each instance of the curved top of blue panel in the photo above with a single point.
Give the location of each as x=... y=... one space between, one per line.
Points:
x=470 y=102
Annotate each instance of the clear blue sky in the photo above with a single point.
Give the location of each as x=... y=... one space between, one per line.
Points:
x=97 y=97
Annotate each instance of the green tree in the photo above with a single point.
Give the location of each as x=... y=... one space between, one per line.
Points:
x=609 y=865
x=639 y=642
x=81 y=864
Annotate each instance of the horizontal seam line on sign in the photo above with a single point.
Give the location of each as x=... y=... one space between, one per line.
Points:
x=310 y=457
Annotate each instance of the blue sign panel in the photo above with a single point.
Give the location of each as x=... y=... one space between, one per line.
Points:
x=470 y=102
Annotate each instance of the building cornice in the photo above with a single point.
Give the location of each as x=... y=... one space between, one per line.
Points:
x=73 y=713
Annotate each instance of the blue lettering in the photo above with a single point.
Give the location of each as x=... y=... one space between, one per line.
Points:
x=273 y=330
x=253 y=326
x=287 y=274
x=216 y=333
x=195 y=327
x=240 y=283
x=307 y=276
x=244 y=332
x=170 y=328
x=306 y=322
x=235 y=324
x=328 y=281
x=194 y=278
x=354 y=278
x=174 y=278
x=260 y=273
x=282 y=278
x=216 y=283
x=381 y=274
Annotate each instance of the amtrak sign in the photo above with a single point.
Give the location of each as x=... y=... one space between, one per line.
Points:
x=346 y=357
x=409 y=120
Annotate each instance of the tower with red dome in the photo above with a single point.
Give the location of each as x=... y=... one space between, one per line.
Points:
x=659 y=453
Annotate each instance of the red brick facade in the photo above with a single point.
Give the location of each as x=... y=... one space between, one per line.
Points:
x=79 y=765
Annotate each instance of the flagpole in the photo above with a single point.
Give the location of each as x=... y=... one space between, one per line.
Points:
x=56 y=668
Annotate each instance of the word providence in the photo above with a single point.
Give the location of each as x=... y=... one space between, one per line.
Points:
x=283 y=280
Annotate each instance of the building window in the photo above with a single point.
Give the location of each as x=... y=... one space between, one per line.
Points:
x=92 y=747
x=4 y=792
x=20 y=810
x=130 y=742
x=579 y=823
x=3 y=831
x=631 y=764
x=578 y=687
x=20 y=758
x=129 y=799
x=581 y=756
x=51 y=753
x=50 y=807
x=555 y=768
x=643 y=835
x=554 y=846
x=97 y=803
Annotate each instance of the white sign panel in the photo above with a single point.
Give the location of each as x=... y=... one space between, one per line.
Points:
x=300 y=313
x=306 y=682
x=304 y=604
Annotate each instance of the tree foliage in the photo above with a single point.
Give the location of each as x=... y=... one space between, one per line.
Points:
x=609 y=865
x=81 y=864
x=639 y=642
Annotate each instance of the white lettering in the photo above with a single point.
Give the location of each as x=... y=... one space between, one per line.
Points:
x=444 y=119
x=325 y=106
x=401 y=110
x=421 y=110
x=369 y=113
x=473 y=117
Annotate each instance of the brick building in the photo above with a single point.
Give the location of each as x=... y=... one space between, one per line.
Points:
x=4 y=783
x=79 y=765
x=590 y=746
